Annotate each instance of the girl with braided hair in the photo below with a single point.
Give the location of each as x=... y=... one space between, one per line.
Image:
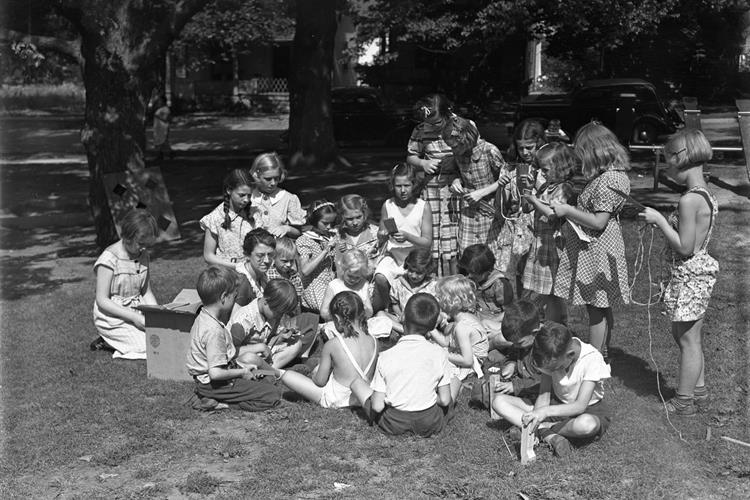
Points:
x=351 y=354
x=228 y=224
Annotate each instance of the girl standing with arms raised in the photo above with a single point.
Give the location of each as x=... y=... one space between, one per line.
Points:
x=688 y=231
x=228 y=224
x=278 y=210
x=428 y=151
x=595 y=272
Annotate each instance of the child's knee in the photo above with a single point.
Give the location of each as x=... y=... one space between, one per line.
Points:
x=247 y=358
x=586 y=425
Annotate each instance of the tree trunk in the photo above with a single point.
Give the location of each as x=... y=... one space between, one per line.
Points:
x=311 y=138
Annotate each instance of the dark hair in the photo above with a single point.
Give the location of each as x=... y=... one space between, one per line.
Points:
x=476 y=259
x=421 y=313
x=420 y=260
x=318 y=209
x=411 y=172
x=528 y=130
x=349 y=309
x=138 y=224
x=214 y=281
x=257 y=237
x=234 y=179
x=281 y=296
x=521 y=318
x=550 y=343
x=430 y=104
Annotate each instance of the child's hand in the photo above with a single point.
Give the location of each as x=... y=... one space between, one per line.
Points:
x=140 y=321
x=534 y=418
x=472 y=197
x=279 y=231
x=560 y=209
x=504 y=387
x=399 y=237
x=508 y=370
x=650 y=216
x=457 y=187
x=503 y=179
x=249 y=373
x=430 y=166
x=341 y=246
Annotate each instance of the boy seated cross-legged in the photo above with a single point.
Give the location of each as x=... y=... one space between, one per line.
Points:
x=212 y=356
x=573 y=371
x=410 y=390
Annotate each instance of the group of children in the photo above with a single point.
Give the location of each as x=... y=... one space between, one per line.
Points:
x=468 y=274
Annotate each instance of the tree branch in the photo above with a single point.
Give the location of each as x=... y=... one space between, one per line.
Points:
x=69 y=48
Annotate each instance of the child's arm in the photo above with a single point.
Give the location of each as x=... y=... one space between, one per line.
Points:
x=104 y=276
x=425 y=240
x=682 y=241
x=444 y=395
x=540 y=206
x=148 y=295
x=573 y=409
x=377 y=401
x=325 y=367
x=597 y=220
x=440 y=338
x=308 y=266
x=325 y=306
x=429 y=166
x=465 y=356
x=210 y=244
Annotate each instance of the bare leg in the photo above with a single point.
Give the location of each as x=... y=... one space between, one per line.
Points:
x=600 y=327
x=455 y=388
x=302 y=385
x=287 y=355
x=511 y=408
x=689 y=338
x=583 y=426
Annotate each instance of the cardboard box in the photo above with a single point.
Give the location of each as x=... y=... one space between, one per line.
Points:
x=168 y=335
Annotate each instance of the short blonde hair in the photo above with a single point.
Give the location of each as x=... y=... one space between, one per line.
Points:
x=697 y=148
x=354 y=257
x=599 y=150
x=456 y=294
x=286 y=248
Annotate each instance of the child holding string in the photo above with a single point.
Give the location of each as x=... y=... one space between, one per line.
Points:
x=688 y=231
x=595 y=272
x=355 y=230
x=316 y=249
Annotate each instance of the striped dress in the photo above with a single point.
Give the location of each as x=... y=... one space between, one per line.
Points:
x=426 y=143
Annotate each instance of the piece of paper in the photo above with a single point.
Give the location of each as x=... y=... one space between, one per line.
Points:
x=579 y=231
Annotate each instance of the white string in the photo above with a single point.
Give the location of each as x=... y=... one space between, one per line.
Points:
x=637 y=266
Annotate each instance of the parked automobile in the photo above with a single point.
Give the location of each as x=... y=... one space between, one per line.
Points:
x=603 y=100
x=361 y=115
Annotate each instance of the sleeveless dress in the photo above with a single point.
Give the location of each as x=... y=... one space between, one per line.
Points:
x=127 y=288
x=595 y=272
x=479 y=344
x=391 y=265
x=337 y=395
x=689 y=289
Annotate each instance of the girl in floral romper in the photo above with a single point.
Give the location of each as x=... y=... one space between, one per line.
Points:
x=688 y=231
x=595 y=272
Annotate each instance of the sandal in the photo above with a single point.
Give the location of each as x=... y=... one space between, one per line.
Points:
x=681 y=407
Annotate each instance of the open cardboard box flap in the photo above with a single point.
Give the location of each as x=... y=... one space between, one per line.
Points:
x=186 y=302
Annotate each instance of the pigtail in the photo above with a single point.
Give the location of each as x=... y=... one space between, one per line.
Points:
x=227 y=224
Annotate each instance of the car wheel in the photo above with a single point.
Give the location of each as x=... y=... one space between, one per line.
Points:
x=644 y=133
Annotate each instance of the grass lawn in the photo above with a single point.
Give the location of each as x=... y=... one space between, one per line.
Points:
x=77 y=424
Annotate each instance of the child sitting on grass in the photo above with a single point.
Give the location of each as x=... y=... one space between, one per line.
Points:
x=351 y=355
x=211 y=358
x=419 y=266
x=354 y=274
x=573 y=371
x=285 y=266
x=410 y=390
x=494 y=290
x=262 y=328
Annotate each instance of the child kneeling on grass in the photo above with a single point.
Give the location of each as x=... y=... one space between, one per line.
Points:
x=410 y=390
x=211 y=358
x=574 y=370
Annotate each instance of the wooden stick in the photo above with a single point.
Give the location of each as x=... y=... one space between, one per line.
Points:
x=736 y=441
x=527 y=445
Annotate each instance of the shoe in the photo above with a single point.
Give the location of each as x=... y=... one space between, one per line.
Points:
x=681 y=407
x=700 y=396
x=560 y=445
x=99 y=344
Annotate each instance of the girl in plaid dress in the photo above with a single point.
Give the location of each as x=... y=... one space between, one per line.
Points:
x=428 y=151
x=595 y=272
x=479 y=165
x=316 y=248
x=555 y=163
x=688 y=231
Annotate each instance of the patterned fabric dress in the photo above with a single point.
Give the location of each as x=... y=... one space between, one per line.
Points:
x=596 y=273
x=544 y=255
x=426 y=143
x=129 y=283
x=309 y=245
x=228 y=241
x=477 y=171
x=689 y=290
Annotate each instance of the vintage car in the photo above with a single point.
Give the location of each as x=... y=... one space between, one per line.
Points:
x=646 y=119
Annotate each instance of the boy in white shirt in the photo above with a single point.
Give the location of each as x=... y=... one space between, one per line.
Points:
x=574 y=371
x=410 y=390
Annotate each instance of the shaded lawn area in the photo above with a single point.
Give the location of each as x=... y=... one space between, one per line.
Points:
x=77 y=424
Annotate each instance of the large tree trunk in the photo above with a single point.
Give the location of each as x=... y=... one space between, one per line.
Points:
x=311 y=138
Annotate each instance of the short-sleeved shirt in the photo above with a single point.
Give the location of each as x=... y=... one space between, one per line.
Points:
x=281 y=208
x=590 y=365
x=210 y=346
x=410 y=372
x=252 y=321
x=228 y=241
x=295 y=279
x=401 y=291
